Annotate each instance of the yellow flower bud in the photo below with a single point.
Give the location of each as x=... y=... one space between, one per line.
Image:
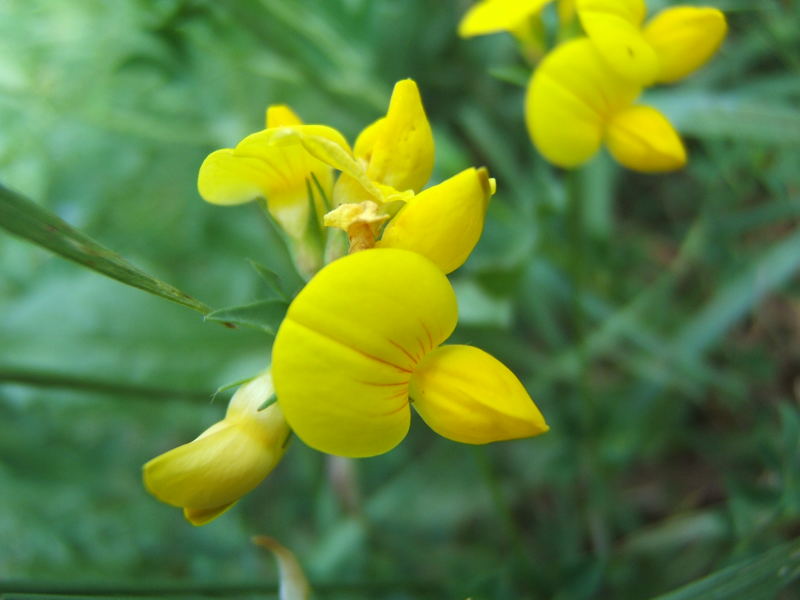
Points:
x=208 y=475
x=443 y=222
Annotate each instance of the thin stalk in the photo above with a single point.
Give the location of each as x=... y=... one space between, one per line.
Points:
x=590 y=465
x=35 y=589
x=45 y=379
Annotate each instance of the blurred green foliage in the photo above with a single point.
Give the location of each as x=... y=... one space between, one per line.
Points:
x=658 y=326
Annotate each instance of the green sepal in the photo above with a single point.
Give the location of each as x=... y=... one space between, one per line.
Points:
x=277 y=289
x=263 y=315
x=268 y=402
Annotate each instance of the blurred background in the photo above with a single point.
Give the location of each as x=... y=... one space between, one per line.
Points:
x=658 y=329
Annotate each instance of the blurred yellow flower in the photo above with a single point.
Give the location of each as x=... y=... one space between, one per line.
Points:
x=493 y=16
x=208 y=475
x=361 y=343
x=575 y=102
x=673 y=44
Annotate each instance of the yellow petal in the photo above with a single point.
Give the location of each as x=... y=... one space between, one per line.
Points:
x=444 y=222
x=348 y=215
x=491 y=16
x=201 y=516
x=350 y=340
x=214 y=470
x=365 y=141
x=468 y=396
x=684 y=39
x=399 y=149
x=227 y=460
x=571 y=96
x=280 y=115
x=614 y=26
x=272 y=164
x=642 y=139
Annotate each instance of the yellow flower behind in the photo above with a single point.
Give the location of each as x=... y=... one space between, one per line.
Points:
x=493 y=16
x=676 y=42
x=575 y=102
x=208 y=475
x=362 y=342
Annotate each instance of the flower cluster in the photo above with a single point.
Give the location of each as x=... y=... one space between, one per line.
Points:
x=584 y=93
x=362 y=342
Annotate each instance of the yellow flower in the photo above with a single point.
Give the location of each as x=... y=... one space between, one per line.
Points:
x=575 y=102
x=207 y=476
x=393 y=159
x=362 y=342
x=272 y=164
x=673 y=44
x=493 y=16
x=521 y=18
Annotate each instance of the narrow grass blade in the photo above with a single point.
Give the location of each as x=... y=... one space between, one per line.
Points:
x=772 y=269
x=757 y=578
x=24 y=218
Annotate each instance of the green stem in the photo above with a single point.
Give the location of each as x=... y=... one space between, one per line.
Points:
x=33 y=589
x=500 y=505
x=591 y=469
x=45 y=379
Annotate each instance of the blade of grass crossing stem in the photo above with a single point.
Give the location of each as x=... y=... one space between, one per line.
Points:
x=734 y=299
x=756 y=578
x=26 y=219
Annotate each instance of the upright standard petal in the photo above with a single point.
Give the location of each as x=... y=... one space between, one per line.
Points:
x=443 y=222
x=685 y=38
x=206 y=476
x=280 y=115
x=468 y=396
x=570 y=98
x=614 y=26
x=641 y=138
x=345 y=352
x=399 y=148
x=492 y=16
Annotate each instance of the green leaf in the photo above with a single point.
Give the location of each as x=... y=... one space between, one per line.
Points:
x=26 y=219
x=264 y=315
x=515 y=75
x=271 y=278
x=752 y=579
